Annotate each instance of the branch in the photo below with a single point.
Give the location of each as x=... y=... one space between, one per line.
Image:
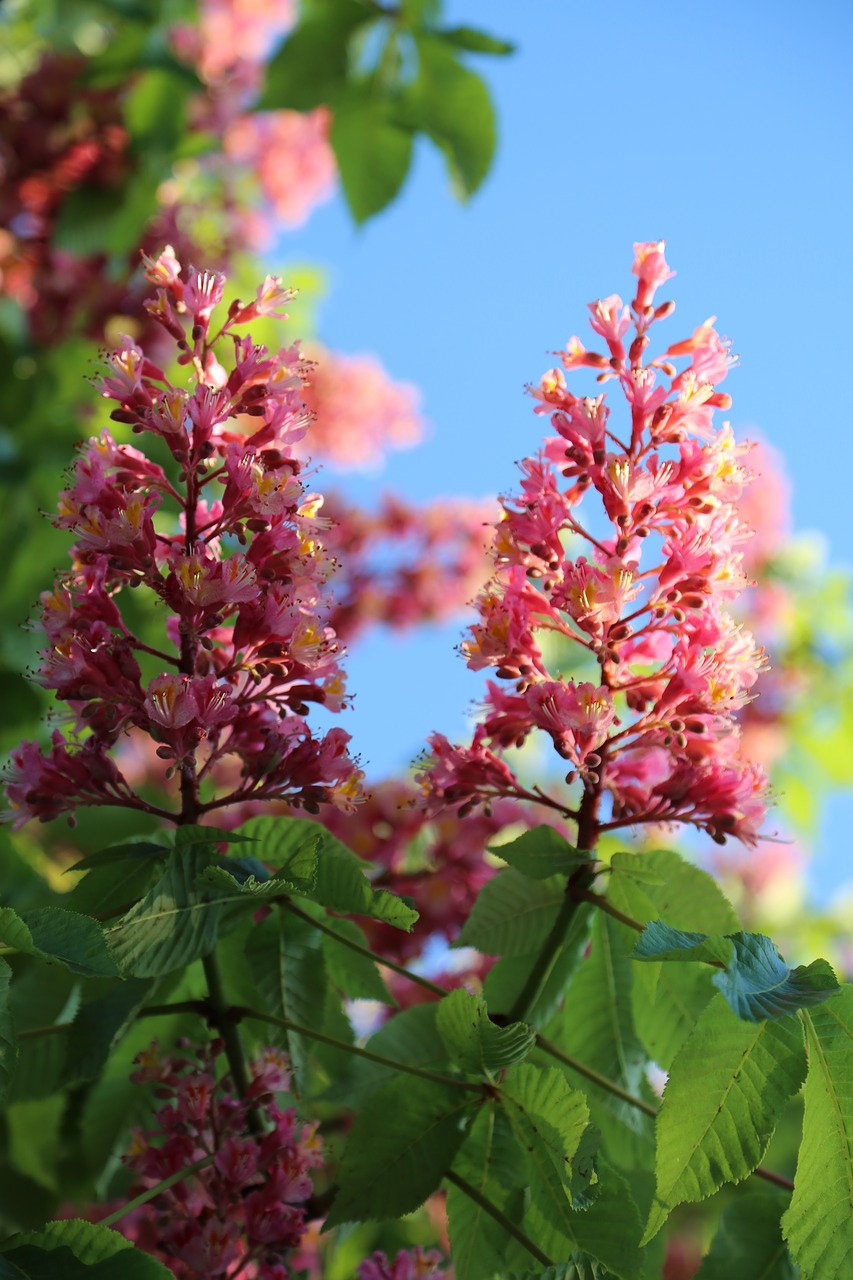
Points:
x=224 y=1018
x=151 y=1192
x=432 y=987
x=241 y=1011
x=494 y=1212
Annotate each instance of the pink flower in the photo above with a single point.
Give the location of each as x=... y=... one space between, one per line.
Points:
x=409 y=1264
x=650 y=266
x=241 y=688
x=359 y=412
x=291 y=154
x=248 y=1199
x=657 y=728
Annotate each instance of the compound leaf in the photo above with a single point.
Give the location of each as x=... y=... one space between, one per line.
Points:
x=819 y=1222
x=725 y=1092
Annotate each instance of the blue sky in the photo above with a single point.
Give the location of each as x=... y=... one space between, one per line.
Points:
x=723 y=129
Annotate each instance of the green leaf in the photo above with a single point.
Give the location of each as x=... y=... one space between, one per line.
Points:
x=286 y=962
x=311 y=67
x=8 y=1044
x=610 y=1230
x=513 y=914
x=600 y=1031
x=303 y=849
x=324 y=869
x=77 y=1250
x=666 y=1000
x=22 y=706
x=540 y=853
x=87 y=1241
x=145 y=850
x=65 y=937
x=391 y=909
x=680 y=893
x=505 y=981
x=490 y=1160
x=748 y=1244
x=355 y=975
x=474 y=1043
x=113 y=1104
x=34 y=1136
x=725 y=1092
x=373 y=149
x=155 y=110
x=98 y=1026
x=87 y=216
x=582 y=1267
x=8 y=1271
x=549 y=1120
x=176 y=922
x=189 y=836
x=40 y=996
x=399 y=1149
x=452 y=105
x=289 y=844
x=819 y=1222
x=220 y=879
x=106 y=890
x=660 y=941
x=40 y=1264
x=758 y=984
x=474 y=41
x=410 y=1036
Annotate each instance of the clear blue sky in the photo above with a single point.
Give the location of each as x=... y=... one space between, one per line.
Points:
x=724 y=129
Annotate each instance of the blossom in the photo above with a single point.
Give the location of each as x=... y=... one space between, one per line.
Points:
x=291 y=154
x=247 y=643
x=360 y=413
x=657 y=731
x=245 y=1208
x=409 y=1264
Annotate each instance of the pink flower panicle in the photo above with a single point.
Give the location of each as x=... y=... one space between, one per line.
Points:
x=287 y=151
x=409 y=1264
x=658 y=728
x=405 y=564
x=360 y=412
x=233 y=549
x=291 y=155
x=245 y=1211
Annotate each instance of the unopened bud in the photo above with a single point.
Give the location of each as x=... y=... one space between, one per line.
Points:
x=638 y=346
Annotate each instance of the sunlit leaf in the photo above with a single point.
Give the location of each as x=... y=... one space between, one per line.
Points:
x=819 y=1222
x=540 y=853
x=474 y=1043
x=723 y=1098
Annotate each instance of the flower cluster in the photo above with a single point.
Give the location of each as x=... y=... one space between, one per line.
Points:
x=232 y=547
x=287 y=151
x=437 y=862
x=655 y=726
x=243 y=1211
x=290 y=153
x=56 y=136
x=409 y=1264
x=360 y=412
x=60 y=134
x=405 y=564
